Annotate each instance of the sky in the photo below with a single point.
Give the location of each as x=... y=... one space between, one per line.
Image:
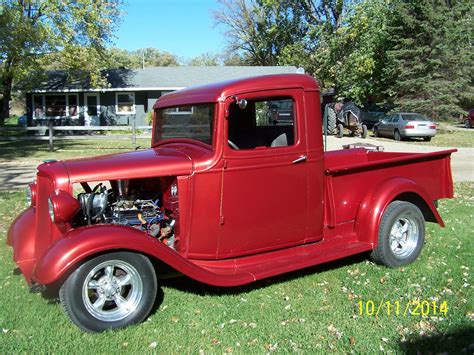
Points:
x=182 y=27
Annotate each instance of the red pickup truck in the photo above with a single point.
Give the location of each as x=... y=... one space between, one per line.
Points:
x=225 y=196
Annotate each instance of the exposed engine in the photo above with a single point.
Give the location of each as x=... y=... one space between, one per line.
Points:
x=124 y=206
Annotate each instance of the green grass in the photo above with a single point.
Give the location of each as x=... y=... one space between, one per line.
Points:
x=35 y=151
x=307 y=311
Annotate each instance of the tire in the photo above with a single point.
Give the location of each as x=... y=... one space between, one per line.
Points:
x=364 y=131
x=468 y=123
x=397 y=136
x=340 y=130
x=331 y=121
x=401 y=235
x=376 y=132
x=93 y=295
x=427 y=139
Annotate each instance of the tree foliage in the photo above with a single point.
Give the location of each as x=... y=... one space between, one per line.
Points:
x=429 y=57
x=145 y=57
x=411 y=55
x=31 y=31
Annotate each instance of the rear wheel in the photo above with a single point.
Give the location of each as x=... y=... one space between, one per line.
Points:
x=401 y=235
x=427 y=139
x=340 y=130
x=331 y=120
x=468 y=123
x=397 y=136
x=110 y=291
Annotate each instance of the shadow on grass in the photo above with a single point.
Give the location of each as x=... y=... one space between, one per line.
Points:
x=186 y=284
x=460 y=340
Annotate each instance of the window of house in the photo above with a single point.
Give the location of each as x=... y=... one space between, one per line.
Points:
x=55 y=106
x=262 y=123
x=125 y=103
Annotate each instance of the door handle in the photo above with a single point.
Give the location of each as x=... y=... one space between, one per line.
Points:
x=301 y=159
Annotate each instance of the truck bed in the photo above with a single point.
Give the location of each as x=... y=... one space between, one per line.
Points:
x=352 y=173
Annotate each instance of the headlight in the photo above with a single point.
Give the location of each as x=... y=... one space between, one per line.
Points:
x=51 y=209
x=62 y=207
x=31 y=194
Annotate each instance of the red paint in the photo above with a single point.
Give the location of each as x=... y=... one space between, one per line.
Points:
x=241 y=215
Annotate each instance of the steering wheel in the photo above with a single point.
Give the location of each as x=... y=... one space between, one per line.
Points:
x=232 y=144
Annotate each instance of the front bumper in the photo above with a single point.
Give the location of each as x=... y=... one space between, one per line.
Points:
x=21 y=236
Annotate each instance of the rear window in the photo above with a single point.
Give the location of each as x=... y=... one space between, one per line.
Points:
x=414 y=117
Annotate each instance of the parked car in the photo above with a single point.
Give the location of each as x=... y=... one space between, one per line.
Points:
x=405 y=125
x=469 y=122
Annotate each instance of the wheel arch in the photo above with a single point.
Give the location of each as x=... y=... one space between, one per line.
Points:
x=82 y=244
x=372 y=207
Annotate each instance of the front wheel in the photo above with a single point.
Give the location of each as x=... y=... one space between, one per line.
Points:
x=401 y=235
x=364 y=131
x=340 y=130
x=110 y=291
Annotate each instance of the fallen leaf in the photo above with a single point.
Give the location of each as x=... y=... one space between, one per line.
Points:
x=153 y=345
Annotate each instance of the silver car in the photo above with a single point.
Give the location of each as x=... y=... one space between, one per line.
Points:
x=405 y=125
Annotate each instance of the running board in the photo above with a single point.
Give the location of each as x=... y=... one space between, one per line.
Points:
x=247 y=269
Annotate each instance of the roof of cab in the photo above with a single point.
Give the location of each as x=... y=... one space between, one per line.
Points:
x=221 y=90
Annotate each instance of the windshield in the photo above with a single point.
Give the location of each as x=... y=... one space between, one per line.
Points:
x=192 y=122
x=414 y=117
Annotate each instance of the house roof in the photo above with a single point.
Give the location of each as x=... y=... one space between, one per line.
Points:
x=158 y=78
x=219 y=91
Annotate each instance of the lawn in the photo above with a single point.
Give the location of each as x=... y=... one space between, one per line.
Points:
x=317 y=309
x=36 y=151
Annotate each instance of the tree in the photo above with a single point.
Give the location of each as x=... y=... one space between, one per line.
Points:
x=144 y=57
x=205 y=59
x=259 y=30
x=430 y=57
x=31 y=30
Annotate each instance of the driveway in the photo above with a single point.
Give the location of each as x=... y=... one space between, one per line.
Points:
x=462 y=162
x=16 y=175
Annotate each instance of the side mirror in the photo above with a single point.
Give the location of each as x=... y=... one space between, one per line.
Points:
x=242 y=103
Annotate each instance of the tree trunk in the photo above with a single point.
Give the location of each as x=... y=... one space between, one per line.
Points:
x=5 y=101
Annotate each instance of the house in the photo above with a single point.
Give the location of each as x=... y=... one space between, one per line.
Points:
x=127 y=97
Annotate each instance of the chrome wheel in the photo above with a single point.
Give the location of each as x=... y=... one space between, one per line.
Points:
x=401 y=234
x=112 y=290
x=404 y=236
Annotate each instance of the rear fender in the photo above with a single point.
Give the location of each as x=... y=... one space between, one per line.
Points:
x=374 y=204
x=82 y=243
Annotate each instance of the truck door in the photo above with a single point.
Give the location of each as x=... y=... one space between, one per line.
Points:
x=265 y=176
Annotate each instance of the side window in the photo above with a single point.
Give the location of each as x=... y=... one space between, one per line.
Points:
x=395 y=118
x=262 y=123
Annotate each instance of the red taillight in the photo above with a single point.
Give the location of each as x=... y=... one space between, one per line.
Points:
x=432 y=126
x=408 y=126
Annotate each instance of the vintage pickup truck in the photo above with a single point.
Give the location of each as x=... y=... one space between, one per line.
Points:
x=226 y=195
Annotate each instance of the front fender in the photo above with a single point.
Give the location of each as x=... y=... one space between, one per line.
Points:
x=374 y=204
x=81 y=243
